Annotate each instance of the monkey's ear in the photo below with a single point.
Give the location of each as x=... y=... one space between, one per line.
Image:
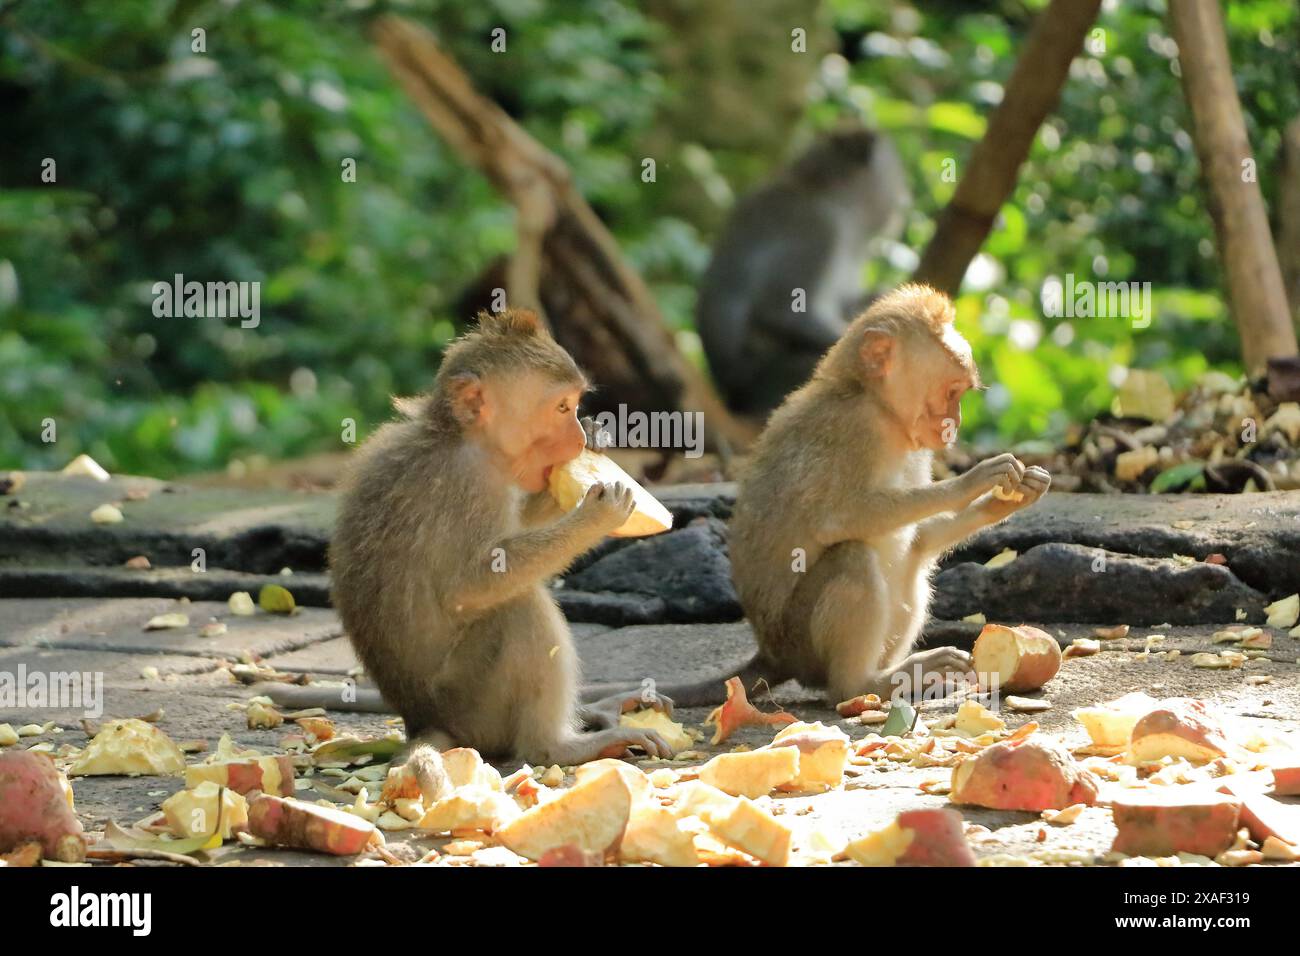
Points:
x=465 y=393
x=876 y=352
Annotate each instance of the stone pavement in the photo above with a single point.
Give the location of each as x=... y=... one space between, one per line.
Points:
x=83 y=619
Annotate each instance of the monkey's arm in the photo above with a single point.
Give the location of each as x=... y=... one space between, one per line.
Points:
x=513 y=565
x=540 y=509
x=944 y=532
x=889 y=509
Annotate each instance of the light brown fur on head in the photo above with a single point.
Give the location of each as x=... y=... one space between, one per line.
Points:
x=502 y=342
x=910 y=313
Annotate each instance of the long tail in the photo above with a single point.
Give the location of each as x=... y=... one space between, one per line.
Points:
x=705 y=693
x=365 y=700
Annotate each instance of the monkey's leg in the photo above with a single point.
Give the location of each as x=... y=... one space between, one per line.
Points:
x=524 y=701
x=852 y=623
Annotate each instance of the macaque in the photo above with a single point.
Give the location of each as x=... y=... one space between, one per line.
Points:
x=446 y=537
x=838 y=525
x=786 y=274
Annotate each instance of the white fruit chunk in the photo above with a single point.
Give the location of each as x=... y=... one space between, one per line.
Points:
x=87 y=467
x=570 y=481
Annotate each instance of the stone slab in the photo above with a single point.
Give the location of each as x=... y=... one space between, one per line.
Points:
x=117 y=625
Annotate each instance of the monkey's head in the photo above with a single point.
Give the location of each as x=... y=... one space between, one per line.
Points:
x=906 y=351
x=836 y=155
x=510 y=388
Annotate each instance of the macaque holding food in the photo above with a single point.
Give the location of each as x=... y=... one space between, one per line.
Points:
x=445 y=540
x=838 y=524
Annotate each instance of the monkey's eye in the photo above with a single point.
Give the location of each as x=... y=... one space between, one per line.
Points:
x=564 y=408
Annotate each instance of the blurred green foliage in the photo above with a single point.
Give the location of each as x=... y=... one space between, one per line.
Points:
x=226 y=165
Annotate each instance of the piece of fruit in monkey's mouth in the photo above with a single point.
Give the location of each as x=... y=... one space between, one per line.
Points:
x=569 y=483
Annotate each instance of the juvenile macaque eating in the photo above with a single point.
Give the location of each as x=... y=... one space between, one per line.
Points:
x=838 y=524
x=446 y=536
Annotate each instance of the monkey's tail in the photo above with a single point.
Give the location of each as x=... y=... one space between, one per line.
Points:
x=712 y=690
x=366 y=700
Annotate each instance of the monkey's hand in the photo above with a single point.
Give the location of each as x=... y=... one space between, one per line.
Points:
x=920 y=671
x=597 y=438
x=613 y=742
x=606 y=711
x=1003 y=471
x=607 y=505
x=1033 y=485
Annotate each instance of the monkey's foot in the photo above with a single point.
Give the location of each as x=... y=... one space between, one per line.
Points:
x=604 y=713
x=614 y=742
x=925 y=672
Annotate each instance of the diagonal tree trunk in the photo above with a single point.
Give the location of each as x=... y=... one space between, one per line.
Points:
x=567 y=265
x=1255 y=288
x=1031 y=93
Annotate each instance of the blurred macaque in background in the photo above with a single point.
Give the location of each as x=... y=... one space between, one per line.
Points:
x=786 y=274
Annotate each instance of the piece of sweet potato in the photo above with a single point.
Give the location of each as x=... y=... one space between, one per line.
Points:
x=753 y=773
x=751 y=829
x=309 y=826
x=738 y=712
x=271 y=774
x=569 y=483
x=856 y=706
x=1031 y=773
x=1015 y=659
x=654 y=835
x=570 y=855
x=1286 y=780
x=1111 y=724
x=823 y=752
x=931 y=837
x=1162 y=821
x=591 y=815
x=472 y=807
x=1179 y=727
x=129 y=747
x=1261 y=814
x=33 y=808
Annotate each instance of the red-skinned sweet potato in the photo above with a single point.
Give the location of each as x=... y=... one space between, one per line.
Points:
x=1262 y=815
x=270 y=774
x=1168 y=820
x=1031 y=773
x=1013 y=659
x=738 y=712
x=1179 y=727
x=1286 y=780
x=33 y=807
x=308 y=826
x=932 y=837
